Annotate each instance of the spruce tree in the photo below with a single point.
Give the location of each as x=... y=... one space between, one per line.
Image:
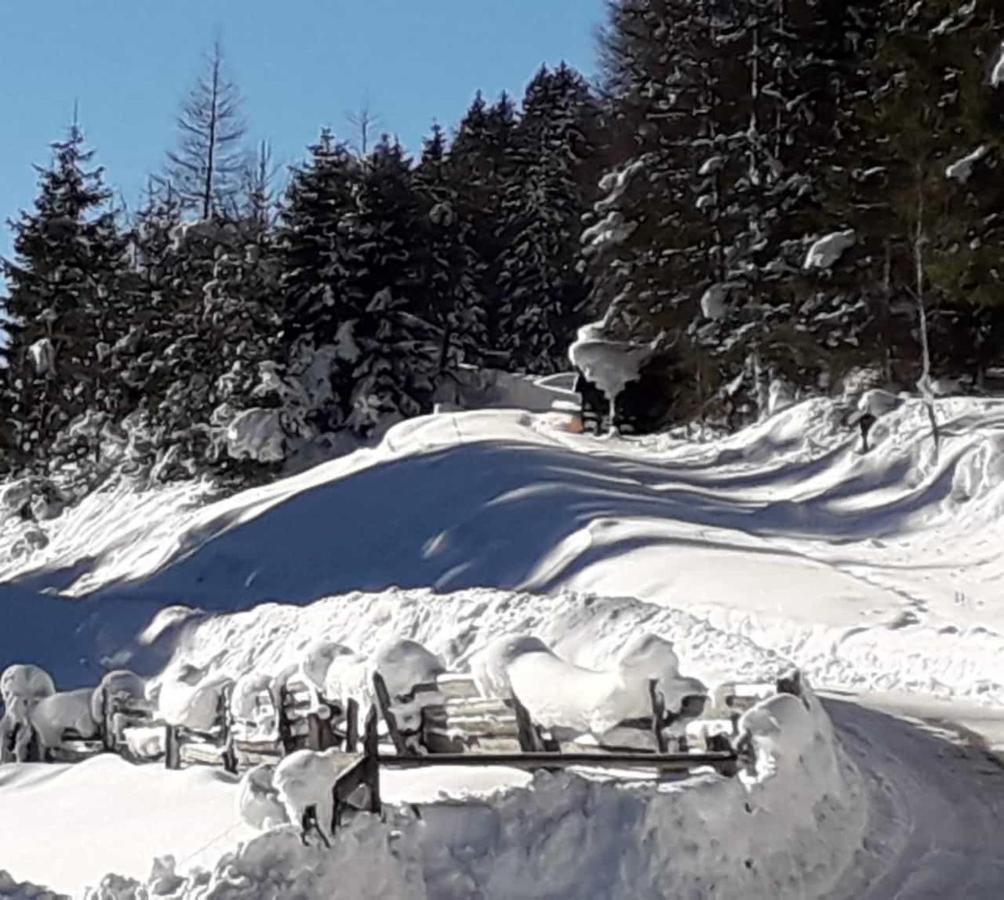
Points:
x=63 y=312
x=482 y=166
x=554 y=183
x=317 y=259
x=453 y=302
x=397 y=350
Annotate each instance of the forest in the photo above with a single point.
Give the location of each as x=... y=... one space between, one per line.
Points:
x=768 y=192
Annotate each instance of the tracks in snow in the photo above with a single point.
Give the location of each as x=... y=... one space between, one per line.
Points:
x=936 y=811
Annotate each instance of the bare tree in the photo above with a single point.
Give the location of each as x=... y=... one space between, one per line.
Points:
x=258 y=185
x=206 y=168
x=364 y=122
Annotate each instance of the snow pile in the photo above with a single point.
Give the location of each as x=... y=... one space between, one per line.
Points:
x=457 y=628
x=827 y=250
x=576 y=700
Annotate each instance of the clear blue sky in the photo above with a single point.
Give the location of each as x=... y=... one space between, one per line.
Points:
x=301 y=64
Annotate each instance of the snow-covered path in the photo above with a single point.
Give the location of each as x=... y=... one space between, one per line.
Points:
x=937 y=809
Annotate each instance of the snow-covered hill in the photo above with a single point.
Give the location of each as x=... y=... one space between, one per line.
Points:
x=873 y=572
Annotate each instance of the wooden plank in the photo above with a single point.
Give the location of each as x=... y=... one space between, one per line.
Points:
x=383 y=701
x=455 y=685
x=480 y=706
x=352 y=725
x=667 y=762
x=658 y=714
x=201 y=754
x=529 y=738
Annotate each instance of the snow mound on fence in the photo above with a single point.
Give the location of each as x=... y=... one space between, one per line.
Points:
x=790 y=829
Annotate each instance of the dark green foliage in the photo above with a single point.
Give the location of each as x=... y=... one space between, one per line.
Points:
x=65 y=313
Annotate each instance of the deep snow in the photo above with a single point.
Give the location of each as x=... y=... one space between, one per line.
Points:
x=874 y=572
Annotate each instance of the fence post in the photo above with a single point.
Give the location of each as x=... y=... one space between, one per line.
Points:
x=383 y=701
x=371 y=755
x=658 y=714
x=172 y=750
x=351 y=725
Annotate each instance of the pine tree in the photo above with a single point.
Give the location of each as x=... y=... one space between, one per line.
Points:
x=453 y=302
x=555 y=149
x=63 y=312
x=482 y=166
x=398 y=350
x=206 y=168
x=317 y=260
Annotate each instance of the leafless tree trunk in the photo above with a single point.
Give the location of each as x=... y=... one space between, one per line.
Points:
x=924 y=384
x=205 y=168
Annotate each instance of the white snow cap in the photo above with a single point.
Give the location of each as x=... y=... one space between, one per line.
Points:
x=43 y=356
x=610 y=365
x=711 y=165
x=826 y=251
x=962 y=169
x=256 y=434
x=997 y=76
x=405 y=664
x=714 y=301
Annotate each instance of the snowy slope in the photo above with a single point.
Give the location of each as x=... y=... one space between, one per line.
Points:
x=873 y=572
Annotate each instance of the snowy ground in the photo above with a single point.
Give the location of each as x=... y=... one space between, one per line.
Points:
x=878 y=574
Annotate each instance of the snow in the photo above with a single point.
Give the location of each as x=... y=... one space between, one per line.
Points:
x=306 y=778
x=962 y=169
x=997 y=75
x=43 y=356
x=53 y=715
x=610 y=365
x=783 y=543
x=825 y=253
x=256 y=434
x=714 y=301
x=577 y=700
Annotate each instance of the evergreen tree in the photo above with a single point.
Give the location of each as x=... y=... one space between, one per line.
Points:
x=453 y=302
x=317 y=261
x=555 y=149
x=63 y=312
x=398 y=351
x=482 y=166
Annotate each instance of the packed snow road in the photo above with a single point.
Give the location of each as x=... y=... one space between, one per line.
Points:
x=936 y=809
